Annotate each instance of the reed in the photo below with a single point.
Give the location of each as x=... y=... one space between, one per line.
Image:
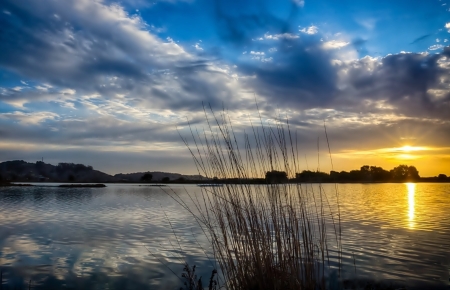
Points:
x=268 y=236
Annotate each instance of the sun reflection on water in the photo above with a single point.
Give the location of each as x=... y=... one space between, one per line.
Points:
x=411 y=190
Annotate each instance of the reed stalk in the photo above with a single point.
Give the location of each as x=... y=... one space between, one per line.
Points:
x=266 y=236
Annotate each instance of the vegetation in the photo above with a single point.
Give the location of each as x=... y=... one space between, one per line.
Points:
x=268 y=236
x=275 y=176
x=147 y=177
x=401 y=173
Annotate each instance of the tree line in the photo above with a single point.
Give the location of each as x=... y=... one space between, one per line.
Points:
x=401 y=173
x=366 y=173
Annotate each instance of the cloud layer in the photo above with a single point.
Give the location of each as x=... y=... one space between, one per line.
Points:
x=93 y=75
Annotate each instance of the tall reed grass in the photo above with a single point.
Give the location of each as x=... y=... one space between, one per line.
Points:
x=269 y=236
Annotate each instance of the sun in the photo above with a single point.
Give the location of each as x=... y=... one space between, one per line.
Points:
x=407 y=148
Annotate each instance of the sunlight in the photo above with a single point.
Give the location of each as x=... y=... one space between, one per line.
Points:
x=411 y=192
x=407 y=148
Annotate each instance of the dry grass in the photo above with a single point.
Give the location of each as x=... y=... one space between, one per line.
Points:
x=272 y=236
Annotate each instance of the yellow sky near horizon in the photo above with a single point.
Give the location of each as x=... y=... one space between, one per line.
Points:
x=430 y=161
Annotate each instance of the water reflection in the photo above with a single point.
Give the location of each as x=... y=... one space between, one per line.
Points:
x=93 y=238
x=411 y=191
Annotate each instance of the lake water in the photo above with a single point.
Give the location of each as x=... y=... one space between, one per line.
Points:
x=119 y=237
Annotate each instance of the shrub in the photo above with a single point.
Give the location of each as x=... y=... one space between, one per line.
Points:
x=272 y=236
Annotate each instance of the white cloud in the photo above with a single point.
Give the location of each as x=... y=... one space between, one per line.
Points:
x=445 y=40
x=280 y=36
x=68 y=92
x=198 y=47
x=256 y=52
x=435 y=47
x=300 y=3
x=335 y=44
x=273 y=49
x=310 y=30
x=438 y=40
x=447 y=25
x=29 y=118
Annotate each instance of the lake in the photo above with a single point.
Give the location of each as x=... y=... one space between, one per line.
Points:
x=125 y=236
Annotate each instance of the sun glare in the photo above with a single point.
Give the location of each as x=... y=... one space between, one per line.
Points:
x=407 y=148
x=411 y=203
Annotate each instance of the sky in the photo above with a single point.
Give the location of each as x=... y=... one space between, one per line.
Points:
x=114 y=84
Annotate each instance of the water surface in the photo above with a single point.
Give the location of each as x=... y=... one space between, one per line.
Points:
x=127 y=236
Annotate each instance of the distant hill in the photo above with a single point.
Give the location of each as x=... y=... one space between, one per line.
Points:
x=20 y=171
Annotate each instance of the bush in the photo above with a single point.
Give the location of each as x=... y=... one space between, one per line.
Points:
x=271 y=236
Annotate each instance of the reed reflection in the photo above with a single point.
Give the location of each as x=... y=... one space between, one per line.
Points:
x=411 y=203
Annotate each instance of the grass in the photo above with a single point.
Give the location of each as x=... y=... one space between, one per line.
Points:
x=272 y=236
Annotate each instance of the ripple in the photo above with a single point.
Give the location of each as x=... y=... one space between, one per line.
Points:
x=113 y=235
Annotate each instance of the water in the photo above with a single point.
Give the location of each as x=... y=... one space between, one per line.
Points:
x=125 y=236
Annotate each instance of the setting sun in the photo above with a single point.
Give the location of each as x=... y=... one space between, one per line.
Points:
x=407 y=148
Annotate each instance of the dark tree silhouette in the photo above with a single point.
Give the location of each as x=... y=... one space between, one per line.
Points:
x=165 y=179
x=147 y=177
x=413 y=173
x=276 y=176
x=405 y=173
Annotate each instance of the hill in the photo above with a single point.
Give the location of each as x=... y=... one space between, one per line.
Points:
x=21 y=171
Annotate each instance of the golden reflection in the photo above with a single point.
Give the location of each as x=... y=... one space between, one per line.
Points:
x=411 y=191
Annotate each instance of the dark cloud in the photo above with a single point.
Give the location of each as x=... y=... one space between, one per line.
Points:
x=419 y=39
x=301 y=74
x=239 y=22
x=415 y=84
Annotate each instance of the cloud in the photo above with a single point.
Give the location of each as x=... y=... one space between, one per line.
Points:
x=419 y=39
x=108 y=82
x=98 y=48
x=300 y=3
x=310 y=30
x=435 y=47
x=335 y=44
x=407 y=81
x=242 y=26
x=447 y=26
x=29 y=118
x=280 y=36
x=198 y=47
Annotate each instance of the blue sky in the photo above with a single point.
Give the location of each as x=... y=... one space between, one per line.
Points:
x=107 y=83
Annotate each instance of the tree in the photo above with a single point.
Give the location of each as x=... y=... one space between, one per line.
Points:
x=400 y=173
x=276 y=176
x=181 y=180
x=165 y=179
x=71 y=177
x=404 y=173
x=379 y=174
x=147 y=177
x=413 y=173
x=440 y=176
